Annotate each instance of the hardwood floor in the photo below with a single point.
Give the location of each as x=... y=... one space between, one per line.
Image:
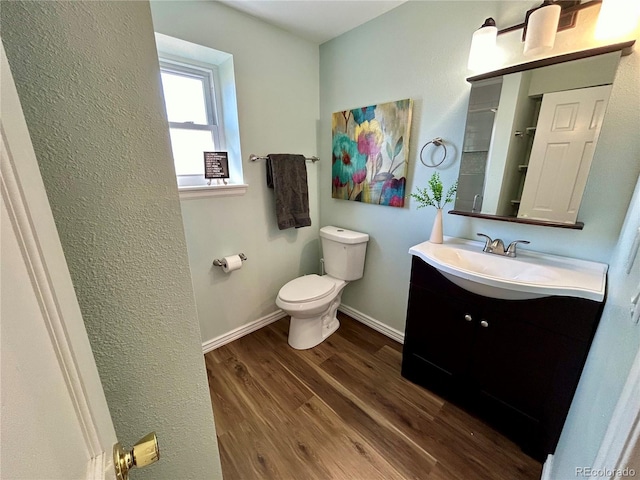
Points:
x=342 y=411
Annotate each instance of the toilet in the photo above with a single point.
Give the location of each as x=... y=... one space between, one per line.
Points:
x=312 y=301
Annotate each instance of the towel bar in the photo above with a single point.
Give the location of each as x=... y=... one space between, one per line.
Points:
x=253 y=158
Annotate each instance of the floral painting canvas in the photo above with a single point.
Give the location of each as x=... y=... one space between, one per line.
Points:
x=370 y=153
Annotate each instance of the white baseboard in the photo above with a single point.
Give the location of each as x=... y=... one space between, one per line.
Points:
x=547 y=467
x=377 y=325
x=241 y=331
x=278 y=314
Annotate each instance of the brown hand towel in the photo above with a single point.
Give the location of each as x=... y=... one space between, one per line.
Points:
x=287 y=175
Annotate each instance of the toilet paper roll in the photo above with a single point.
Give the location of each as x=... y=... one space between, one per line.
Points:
x=231 y=263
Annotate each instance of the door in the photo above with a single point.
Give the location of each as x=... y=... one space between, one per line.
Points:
x=431 y=320
x=55 y=420
x=566 y=135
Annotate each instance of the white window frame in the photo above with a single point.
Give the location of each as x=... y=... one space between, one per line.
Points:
x=209 y=77
x=182 y=57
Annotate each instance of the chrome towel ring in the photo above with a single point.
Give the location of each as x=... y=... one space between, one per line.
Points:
x=438 y=142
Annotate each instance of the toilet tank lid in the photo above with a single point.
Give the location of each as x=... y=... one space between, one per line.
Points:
x=343 y=235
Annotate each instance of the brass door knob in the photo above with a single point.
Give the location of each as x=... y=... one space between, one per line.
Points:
x=145 y=452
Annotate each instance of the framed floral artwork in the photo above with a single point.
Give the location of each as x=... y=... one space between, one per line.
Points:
x=370 y=153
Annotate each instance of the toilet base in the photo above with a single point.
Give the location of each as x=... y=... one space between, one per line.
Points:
x=305 y=333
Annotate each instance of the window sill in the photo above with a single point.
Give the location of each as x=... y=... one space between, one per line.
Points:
x=212 y=191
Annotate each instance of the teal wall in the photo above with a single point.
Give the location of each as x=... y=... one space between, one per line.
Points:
x=419 y=50
x=278 y=109
x=612 y=353
x=88 y=78
x=402 y=54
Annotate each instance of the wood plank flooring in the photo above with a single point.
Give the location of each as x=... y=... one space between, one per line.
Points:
x=342 y=411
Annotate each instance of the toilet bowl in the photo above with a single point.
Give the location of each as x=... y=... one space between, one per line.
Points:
x=312 y=301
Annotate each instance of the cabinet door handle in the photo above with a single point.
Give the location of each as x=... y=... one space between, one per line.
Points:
x=484 y=323
x=468 y=317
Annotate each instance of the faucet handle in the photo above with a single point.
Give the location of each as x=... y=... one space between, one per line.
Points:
x=487 y=242
x=511 y=249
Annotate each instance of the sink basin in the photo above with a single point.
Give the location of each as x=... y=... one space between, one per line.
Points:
x=529 y=275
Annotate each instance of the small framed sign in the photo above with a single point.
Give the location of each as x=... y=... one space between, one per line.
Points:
x=216 y=165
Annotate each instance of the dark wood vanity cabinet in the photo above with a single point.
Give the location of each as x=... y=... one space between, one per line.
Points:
x=514 y=363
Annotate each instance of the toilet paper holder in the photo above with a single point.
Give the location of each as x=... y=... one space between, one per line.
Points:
x=221 y=262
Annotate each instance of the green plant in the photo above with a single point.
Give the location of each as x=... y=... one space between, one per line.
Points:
x=433 y=198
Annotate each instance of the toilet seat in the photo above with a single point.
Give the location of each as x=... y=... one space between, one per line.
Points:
x=306 y=289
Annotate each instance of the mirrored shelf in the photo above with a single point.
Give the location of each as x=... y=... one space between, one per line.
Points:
x=541 y=223
x=624 y=47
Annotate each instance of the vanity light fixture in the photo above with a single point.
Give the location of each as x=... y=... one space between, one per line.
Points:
x=541 y=26
x=483 y=45
x=617 y=18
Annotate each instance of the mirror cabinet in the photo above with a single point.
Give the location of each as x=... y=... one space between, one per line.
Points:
x=530 y=137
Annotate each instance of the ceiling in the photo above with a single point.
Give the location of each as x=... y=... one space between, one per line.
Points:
x=315 y=20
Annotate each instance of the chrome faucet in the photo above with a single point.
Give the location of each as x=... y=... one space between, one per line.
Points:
x=492 y=246
x=497 y=246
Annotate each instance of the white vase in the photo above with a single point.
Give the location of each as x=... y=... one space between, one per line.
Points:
x=436 y=231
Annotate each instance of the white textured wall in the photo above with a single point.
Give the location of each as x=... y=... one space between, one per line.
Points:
x=277 y=87
x=88 y=78
x=419 y=50
x=612 y=353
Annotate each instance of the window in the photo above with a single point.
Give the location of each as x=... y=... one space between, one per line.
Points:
x=189 y=97
x=201 y=105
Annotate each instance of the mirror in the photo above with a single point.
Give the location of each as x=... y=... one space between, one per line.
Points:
x=529 y=141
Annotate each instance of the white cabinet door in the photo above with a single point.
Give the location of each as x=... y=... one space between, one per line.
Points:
x=566 y=135
x=55 y=420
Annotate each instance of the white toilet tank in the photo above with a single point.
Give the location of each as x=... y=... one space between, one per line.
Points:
x=343 y=252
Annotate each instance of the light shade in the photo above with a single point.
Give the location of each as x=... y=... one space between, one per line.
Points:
x=542 y=26
x=617 y=18
x=483 y=45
